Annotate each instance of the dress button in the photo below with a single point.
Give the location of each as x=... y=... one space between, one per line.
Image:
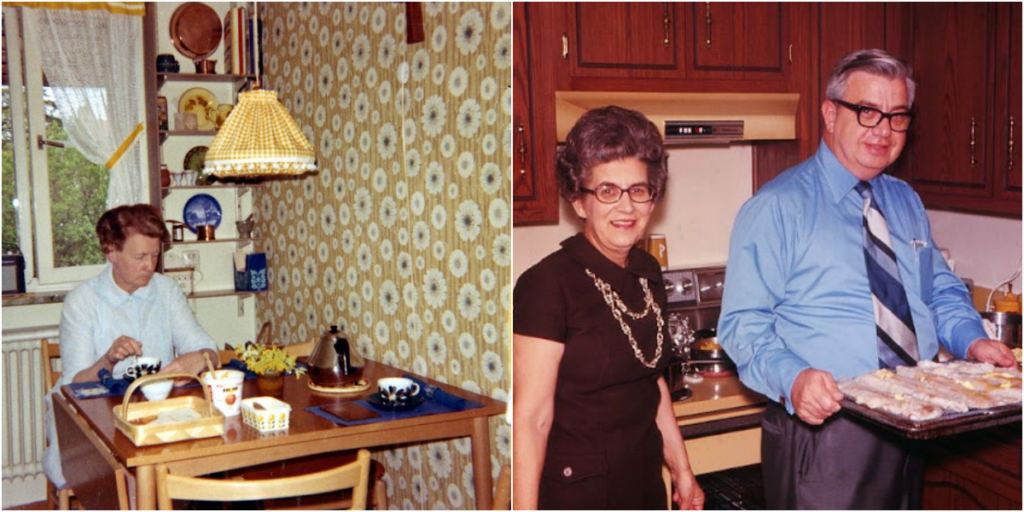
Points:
x=567 y=471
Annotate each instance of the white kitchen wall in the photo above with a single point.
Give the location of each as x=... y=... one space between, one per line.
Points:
x=985 y=249
x=706 y=187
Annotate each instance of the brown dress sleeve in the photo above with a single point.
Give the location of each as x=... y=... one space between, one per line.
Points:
x=538 y=303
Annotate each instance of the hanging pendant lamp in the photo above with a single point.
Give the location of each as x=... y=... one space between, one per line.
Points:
x=259 y=138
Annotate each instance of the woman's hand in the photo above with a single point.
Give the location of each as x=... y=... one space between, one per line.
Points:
x=687 y=494
x=121 y=348
x=193 y=363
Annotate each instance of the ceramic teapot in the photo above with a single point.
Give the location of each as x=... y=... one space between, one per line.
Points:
x=334 y=362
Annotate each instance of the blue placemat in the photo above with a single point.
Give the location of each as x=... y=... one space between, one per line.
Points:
x=429 y=407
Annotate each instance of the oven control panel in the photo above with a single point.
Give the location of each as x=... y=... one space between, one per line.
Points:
x=710 y=285
x=694 y=287
x=680 y=286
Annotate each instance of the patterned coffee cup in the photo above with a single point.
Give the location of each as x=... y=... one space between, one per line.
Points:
x=143 y=366
x=396 y=390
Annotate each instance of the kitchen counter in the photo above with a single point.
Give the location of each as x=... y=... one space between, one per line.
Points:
x=721 y=424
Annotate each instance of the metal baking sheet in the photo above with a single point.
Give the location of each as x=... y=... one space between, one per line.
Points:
x=945 y=425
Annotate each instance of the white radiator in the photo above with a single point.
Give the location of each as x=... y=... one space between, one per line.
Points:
x=24 y=435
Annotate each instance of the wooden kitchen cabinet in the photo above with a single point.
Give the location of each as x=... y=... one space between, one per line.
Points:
x=534 y=193
x=625 y=39
x=738 y=40
x=747 y=41
x=975 y=471
x=961 y=154
x=1008 y=127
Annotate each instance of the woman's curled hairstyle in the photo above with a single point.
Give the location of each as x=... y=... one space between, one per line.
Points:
x=604 y=135
x=117 y=224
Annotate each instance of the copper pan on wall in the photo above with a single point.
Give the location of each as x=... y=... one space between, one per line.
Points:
x=196 y=30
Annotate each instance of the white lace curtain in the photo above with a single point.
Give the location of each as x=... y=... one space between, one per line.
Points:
x=92 y=58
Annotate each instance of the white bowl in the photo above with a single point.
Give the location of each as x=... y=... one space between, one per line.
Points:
x=157 y=390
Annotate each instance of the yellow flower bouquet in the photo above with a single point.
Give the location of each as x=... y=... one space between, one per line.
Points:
x=262 y=359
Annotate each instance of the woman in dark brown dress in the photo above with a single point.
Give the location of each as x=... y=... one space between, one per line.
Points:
x=593 y=421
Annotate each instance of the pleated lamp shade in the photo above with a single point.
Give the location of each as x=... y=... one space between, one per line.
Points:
x=259 y=139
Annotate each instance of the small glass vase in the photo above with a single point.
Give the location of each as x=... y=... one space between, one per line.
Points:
x=270 y=384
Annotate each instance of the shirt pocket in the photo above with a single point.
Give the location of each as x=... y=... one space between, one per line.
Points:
x=924 y=253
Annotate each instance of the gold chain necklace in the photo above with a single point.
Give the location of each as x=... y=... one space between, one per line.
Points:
x=618 y=307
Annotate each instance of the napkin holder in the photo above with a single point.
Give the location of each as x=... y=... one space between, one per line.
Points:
x=250 y=271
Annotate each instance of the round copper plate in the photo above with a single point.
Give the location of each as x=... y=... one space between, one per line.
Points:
x=196 y=30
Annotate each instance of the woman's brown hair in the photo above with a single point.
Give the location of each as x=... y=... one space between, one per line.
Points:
x=604 y=135
x=117 y=224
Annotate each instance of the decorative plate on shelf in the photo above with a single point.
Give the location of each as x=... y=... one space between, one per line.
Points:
x=195 y=158
x=203 y=104
x=202 y=210
x=223 y=110
x=196 y=30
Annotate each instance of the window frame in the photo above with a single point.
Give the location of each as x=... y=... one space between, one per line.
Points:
x=32 y=187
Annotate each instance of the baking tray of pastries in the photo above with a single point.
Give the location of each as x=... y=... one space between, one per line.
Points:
x=945 y=425
x=934 y=400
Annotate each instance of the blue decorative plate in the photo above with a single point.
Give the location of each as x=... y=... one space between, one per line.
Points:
x=202 y=210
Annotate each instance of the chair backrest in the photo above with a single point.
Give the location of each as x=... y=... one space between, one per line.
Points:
x=503 y=493
x=226 y=356
x=354 y=475
x=51 y=357
x=300 y=349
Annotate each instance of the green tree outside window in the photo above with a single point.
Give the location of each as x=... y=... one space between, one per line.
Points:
x=78 y=194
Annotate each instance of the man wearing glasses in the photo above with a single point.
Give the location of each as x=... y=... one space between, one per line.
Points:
x=833 y=273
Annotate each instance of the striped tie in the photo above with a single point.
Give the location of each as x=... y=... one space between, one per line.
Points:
x=897 y=340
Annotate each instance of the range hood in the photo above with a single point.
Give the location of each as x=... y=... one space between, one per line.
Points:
x=692 y=118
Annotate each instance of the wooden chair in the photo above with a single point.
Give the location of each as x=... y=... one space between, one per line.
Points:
x=225 y=356
x=355 y=476
x=300 y=349
x=61 y=499
x=503 y=494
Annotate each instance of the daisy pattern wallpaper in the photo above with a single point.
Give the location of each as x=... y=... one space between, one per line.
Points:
x=403 y=236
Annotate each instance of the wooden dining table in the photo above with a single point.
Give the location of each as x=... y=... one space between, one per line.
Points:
x=92 y=420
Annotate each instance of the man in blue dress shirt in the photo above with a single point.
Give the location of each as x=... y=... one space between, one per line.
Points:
x=798 y=310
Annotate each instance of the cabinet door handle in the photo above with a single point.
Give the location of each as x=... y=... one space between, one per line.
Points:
x=667 y=22
x=707 y=23
x=522 y=149
x=973 y=159
x=1009 y=147
x=565 y=46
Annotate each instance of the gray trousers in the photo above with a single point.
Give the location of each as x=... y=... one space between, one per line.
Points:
x=842 y=464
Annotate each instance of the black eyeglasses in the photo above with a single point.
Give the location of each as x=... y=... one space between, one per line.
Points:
x=869 y=117
x=608 y=193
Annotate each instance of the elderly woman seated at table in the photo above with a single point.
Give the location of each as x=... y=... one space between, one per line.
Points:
x=127 y=310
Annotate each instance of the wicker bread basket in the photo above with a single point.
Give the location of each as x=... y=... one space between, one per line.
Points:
x=136 y=421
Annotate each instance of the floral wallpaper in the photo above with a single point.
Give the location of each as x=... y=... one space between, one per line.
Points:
x=403 y=235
